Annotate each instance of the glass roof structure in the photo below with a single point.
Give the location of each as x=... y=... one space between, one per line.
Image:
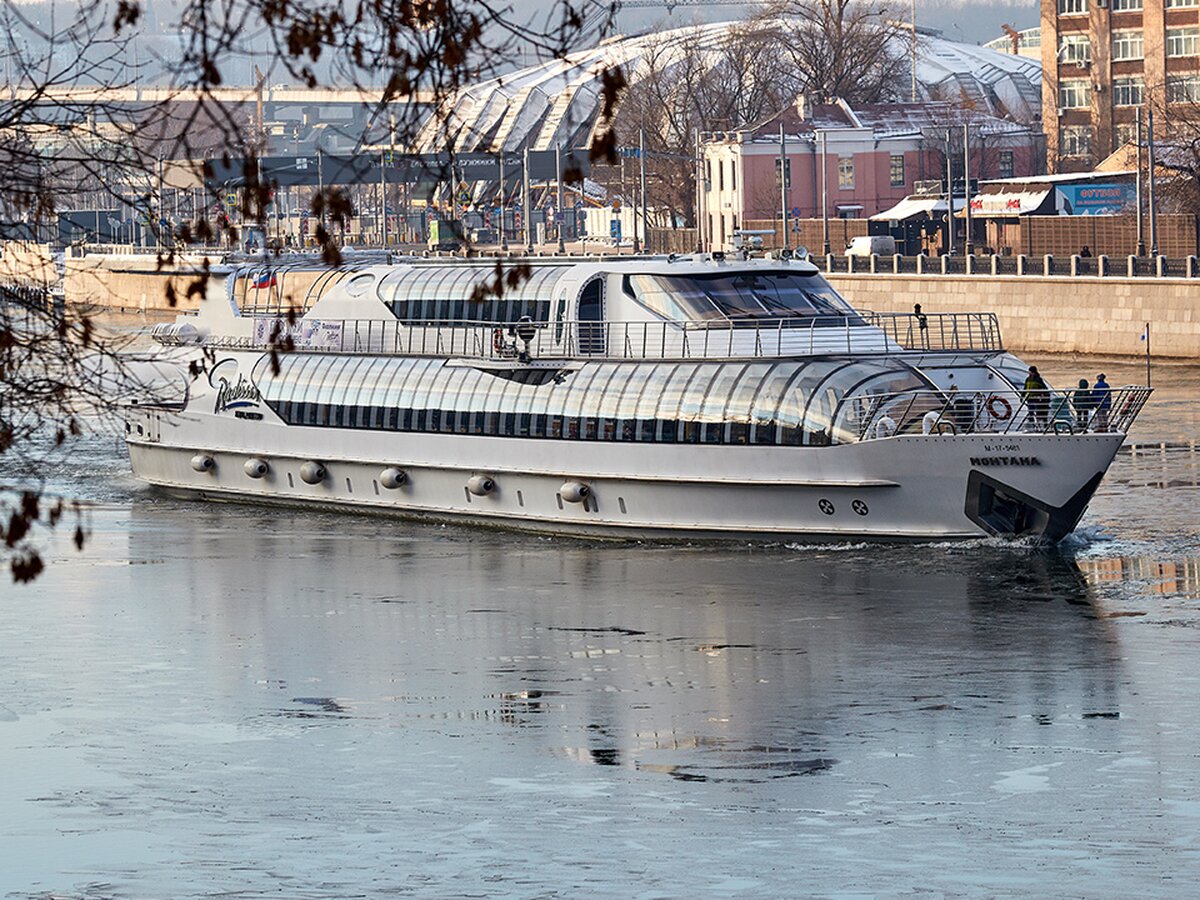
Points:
x=745 y=402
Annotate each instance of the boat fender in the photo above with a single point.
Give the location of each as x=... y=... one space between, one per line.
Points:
x=999 y=408
x=392 y=478
x=312 y=472
x=202 y=462
x=255 y=467
x=481 y=485
x=575 y=491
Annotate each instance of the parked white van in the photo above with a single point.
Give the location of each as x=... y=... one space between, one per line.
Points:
x=867 y=244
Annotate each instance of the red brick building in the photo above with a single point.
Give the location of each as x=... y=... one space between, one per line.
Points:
x=872 y=155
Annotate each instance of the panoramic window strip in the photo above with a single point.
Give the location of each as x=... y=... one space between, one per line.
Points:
x=417 y=296
x=785 y=403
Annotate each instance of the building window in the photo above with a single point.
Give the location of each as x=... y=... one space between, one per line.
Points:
x=896 y=170
x=845 y=173
x=1006 y=164
x=1183 y=89
x=1126 y=5
x=1074 y=93
x=1183 y=41
x=1129 y=91
x=1181 y=4
x=708 y=174
x=1072 y=7
x=1126 y=133
x=1075 y=48
x=733 y=174
x=720 y=175
x=1075 y=140
x=1126 y=45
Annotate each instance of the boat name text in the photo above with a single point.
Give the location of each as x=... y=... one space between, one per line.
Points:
x=1005 y=461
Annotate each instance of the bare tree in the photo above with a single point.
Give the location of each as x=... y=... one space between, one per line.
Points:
x=68 y=129
x=701 y=83
x=843 y=48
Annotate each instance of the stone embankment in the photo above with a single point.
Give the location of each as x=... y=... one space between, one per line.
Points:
x=1051 y=314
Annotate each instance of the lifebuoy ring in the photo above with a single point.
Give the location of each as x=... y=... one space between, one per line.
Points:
x=999 y=408
x=498 y=339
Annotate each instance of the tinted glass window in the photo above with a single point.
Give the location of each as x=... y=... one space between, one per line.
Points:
x=740 y=296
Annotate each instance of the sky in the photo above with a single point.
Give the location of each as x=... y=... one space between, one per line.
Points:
x=970 y=21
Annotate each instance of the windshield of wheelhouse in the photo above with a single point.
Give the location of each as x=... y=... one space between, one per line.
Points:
x=743 y=297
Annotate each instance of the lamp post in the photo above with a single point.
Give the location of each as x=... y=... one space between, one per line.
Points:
x=783 y=213
x=969 y=246
x=1150 y=163
x=825 y=195
x=1140 y=250
x=642 y=178
x=526 y=209
x=561 y=218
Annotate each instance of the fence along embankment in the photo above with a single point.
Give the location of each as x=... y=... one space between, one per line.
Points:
x=1055 y=314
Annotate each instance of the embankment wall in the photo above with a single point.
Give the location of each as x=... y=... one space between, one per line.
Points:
x=1104 y=316
x=25 y=262
x=138 y=283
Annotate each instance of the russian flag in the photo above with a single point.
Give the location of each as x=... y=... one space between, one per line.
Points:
x=265 y=279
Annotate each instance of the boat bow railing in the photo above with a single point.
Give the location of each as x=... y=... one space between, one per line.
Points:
x=1012 y=411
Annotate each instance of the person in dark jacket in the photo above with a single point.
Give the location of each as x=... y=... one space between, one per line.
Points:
x=1037 y=397
x=1101 y=402
x=1081 y=399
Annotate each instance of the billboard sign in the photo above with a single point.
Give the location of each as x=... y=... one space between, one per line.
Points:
x=1094 y=199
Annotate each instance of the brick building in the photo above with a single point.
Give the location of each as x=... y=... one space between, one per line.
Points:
x=874 y=156
x=1101 y=60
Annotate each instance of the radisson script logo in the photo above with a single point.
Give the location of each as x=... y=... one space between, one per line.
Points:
x=232 y=392
x=1005 y=461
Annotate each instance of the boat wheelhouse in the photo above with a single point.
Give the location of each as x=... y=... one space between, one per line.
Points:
x=675 y=397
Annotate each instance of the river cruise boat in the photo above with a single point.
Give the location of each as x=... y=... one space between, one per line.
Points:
x=637 y=397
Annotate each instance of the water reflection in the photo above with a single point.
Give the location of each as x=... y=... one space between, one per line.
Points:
x=699 y=663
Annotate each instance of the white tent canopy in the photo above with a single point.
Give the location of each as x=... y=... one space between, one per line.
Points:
x=916 y=205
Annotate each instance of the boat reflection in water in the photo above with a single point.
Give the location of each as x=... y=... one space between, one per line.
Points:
x=699 y=663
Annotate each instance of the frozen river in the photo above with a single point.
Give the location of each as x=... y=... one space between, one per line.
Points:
x=223 y=701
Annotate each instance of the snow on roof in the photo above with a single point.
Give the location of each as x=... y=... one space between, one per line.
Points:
x=556 y=102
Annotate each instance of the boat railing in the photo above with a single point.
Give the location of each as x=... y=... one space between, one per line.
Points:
x=971 y=331
x=866 y=333
x=1011 y=411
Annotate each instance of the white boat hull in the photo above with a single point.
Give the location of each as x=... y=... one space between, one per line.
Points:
x=902 y=488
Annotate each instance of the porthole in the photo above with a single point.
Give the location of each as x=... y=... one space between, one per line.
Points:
x=826 y=506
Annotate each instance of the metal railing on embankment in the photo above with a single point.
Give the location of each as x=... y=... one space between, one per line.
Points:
x=526 y=341
x=993 y=265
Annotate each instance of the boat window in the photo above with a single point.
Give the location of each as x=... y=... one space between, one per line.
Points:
x=741 y=400
x=788 y=403
x=591 y=310
x=741 y=296
x=426 y=293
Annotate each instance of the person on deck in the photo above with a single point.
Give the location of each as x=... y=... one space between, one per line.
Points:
x=1037 y=397
x=1101 y=402
x=1081 y=399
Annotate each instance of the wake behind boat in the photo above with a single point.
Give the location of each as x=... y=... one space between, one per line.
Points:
x=680 y=397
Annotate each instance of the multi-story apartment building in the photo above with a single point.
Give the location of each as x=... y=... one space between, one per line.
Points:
x=1102 y=60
